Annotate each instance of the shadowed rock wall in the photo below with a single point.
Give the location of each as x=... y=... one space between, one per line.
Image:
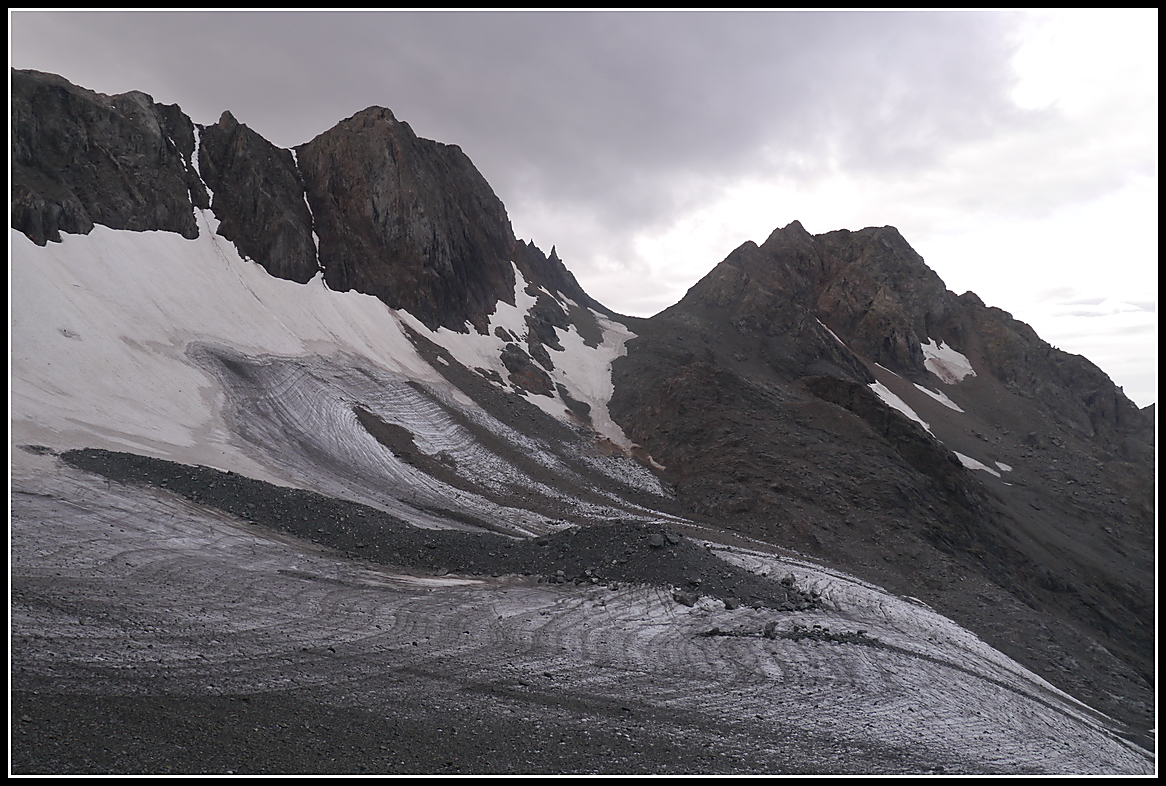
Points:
x=80 y=158
x=408 y=220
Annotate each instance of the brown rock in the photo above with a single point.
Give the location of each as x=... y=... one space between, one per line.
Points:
x=408 y=220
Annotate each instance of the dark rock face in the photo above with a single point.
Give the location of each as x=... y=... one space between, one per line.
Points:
x=880 y=297
x=1076 y=393
x=258 y=199
x=869 y=287
x=551 y=274
x=408 y=220
x=80 y=158
x=524 y=373
x=918 y=449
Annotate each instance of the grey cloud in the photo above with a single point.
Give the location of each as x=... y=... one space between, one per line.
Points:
x=624 y=116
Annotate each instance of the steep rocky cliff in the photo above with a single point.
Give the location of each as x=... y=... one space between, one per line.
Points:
x=80 y=158
x=408 y=220
x=258 y=199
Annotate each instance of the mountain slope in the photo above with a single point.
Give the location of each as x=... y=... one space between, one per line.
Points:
x=345 y=344
x=774 y=393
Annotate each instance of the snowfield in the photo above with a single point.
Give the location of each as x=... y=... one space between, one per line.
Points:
x=944 y=362
x=894 y=402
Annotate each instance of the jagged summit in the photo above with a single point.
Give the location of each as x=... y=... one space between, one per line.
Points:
x=406 y=219
x=80 y=158
x=349 y=342
x=869 y=287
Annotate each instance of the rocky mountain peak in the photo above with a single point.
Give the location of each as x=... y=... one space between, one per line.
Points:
x=409 y=220
x=81 y=158
x=258 y=199
x=869 y=287
x=881 y=297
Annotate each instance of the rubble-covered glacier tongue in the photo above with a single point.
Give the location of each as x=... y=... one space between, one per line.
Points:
x=127 y=599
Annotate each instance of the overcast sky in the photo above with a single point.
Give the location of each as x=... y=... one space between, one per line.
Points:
x=1017 y=152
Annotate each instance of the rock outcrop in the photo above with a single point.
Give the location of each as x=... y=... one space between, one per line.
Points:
x=408 y=220
x=80 y=158
x=258 y=199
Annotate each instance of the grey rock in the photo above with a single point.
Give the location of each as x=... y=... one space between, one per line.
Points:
x=524 y=372
x=259 y=199
x=81 y=158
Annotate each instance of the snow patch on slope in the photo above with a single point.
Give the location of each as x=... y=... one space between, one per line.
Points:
x=971 y=463
x=893 y=401
x=103 y=322
x=944 y=362
x=584 y=371
x=483 y=352
x=831 y=332
x=942 y=399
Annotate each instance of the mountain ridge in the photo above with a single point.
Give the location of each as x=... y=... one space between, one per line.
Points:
x=762 y=347
x=790 y=397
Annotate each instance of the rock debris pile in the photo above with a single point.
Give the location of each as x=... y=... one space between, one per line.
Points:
x=614 y=553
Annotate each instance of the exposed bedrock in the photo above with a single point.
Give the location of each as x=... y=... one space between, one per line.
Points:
x=408 y=220
x=80 y=158
x=258 y=199
x=752 y=393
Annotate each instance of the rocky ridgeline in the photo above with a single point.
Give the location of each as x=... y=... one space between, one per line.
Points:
x=406 y=219
x=80 y=158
